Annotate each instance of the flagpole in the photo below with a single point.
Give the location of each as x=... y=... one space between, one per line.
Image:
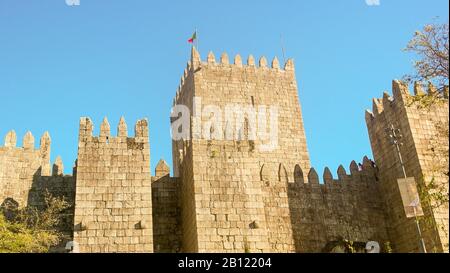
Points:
x=282 y=48
x=196 y=38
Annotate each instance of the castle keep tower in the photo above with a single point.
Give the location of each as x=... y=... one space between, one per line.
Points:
x=227 y=205
x=423 y=143
x=113 y=205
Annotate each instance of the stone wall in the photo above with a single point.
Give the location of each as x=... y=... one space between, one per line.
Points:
x=349 y=207
x=26 y=177
x=113 y=204
x=167 y=233
x=61 y=186
x=20 y=166
x=278 y=217
x=57 y=185
x=418 y=126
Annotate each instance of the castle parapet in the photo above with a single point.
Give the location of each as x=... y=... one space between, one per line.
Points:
x=87 y=127
x=325 y=210
x=401 y=96
x=28 y=143
x=196 y=62
x=366 y=168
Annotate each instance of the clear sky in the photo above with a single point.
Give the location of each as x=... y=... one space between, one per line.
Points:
x=117 y=57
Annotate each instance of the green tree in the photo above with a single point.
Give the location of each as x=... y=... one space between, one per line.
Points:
x=31 y=230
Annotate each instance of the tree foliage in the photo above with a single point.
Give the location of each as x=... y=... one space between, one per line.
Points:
x=31 y=230
x=431 y=45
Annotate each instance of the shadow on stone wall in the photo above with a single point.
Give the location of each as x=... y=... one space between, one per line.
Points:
x=307 y=231
x=59 y=186
x=167 y=232
x=349 y=207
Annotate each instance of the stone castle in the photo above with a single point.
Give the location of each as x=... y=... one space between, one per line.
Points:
x=227 y=195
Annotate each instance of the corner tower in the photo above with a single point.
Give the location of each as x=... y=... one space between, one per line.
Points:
x=245 y=122
x=423 y=152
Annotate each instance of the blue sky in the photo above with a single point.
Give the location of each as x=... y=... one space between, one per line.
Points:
x=117 y=57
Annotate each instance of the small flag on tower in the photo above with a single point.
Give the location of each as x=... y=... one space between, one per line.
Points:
x=193 y=38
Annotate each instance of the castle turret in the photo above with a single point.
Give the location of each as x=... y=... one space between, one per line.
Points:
x=113 y=207
x=422 y=140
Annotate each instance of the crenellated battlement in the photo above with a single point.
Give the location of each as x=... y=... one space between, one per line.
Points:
x=357 y=171
x=87 y=127
x=237 y=62
x=26 y=172
x=28 y=151
x=197 y=64
x=28 y=142
x=324 y=208
x=402 y=97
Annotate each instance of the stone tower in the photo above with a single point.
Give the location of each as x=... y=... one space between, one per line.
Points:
x=113 y=204
x=423 y=139
x=245 y=125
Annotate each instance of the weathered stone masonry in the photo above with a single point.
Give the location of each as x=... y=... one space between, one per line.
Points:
x=228 y=195
x=113 y=204
x=419 y=127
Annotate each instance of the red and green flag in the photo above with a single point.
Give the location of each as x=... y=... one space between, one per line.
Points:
x=193 y=37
